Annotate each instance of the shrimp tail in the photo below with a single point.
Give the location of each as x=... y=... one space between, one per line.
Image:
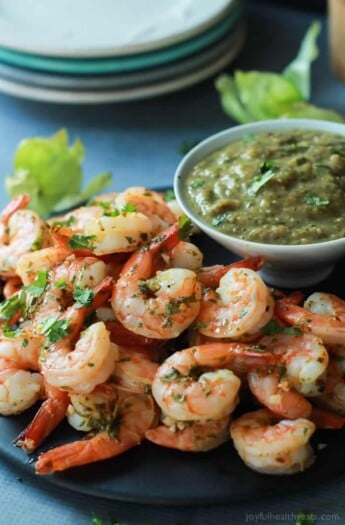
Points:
x=324 y=419
x=124 y=337
x=18 y=203
x=97 y=448
x=48 y=417
x=211 y=275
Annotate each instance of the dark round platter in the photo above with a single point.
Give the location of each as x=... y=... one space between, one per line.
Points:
x=153 y=475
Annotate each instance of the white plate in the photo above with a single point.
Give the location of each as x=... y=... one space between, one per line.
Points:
x=89 y=28
x=116 y=81
x=123 y=95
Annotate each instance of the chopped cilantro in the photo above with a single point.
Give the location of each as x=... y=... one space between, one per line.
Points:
x=37 y=287
x=185 y=227
x=200 y=324
x=172 y=375
x=219 y=219
x=61 y=284
x=13 y=305
x=129 y=208
x=273 y=328
x=169 y=195
x=83 y=296
x=78 y=241
x=266 y=171
x=54 y=329
x=69 y=222
x=196 y=184
x=315 y=201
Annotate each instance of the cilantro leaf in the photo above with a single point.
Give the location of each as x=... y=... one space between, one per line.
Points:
x=37 y=287
x=273 y=328
x=169 y=195
x=129 y=208
x=55 y=329
x=78 y=241
x=13 y=305
x=83 y=296
x=315 y=201
x=185 y=227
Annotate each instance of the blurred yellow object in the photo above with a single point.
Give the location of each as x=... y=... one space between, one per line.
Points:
x=336 y=13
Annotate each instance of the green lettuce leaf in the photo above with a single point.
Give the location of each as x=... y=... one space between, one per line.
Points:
x=50 y=171
x=259 y=95
x=298 y=71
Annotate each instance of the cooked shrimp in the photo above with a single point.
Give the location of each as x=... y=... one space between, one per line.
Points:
x=150 y=204
x=134 y=415
x=333 y=397
x=82 y=369
x=270 y=446
x=49 y=416
x=18 y=203
x=210 y=276
x=195 y=384
x=94 y=411
x=240 y=306
x=191 y=437
x=135 y=368
x=12 y=286
x=26 y=233
x=323 y=314
x=186 y=255
x=123 y=233
x=160 y=305
x=24 y=350
x=267 y=387
x=19 y=389
x=305 y=359
x=29 y=263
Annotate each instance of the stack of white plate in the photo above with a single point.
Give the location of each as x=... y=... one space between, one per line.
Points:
x=87 y=51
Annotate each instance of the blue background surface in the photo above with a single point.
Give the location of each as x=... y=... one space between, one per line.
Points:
x=139 y=143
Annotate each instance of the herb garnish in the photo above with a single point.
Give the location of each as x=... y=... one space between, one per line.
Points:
x=219 y=219
x=83 y=296
x=13 y=305
x=37 y=287
x=315 y=200
x=78 y=241
x=169 y=195
x=273 y=328
x=267 y=170
x=55 y=329
x=185 y=227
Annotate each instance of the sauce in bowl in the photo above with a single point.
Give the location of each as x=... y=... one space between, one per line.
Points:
x=278 y=187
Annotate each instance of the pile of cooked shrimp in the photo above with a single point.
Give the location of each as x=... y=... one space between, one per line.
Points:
x=95 y=306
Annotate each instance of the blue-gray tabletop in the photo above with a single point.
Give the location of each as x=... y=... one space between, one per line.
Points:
x=139 y=142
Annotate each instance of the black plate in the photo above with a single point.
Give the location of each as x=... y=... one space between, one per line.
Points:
x=153 y=475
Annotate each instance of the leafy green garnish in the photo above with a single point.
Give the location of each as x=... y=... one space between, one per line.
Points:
x=258 y=95
x=49 y=170
x=69 y=222
x=169 y=195
x=54 y=329
x=61 y=284
x=79 y=241
x=315 y=200
x=37 y=287
x=13 y=305
x=185 y=227
x=219 y=219
x=83 y=296
x=274 y=328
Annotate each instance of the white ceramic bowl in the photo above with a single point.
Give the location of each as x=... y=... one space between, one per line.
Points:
x=289 y=266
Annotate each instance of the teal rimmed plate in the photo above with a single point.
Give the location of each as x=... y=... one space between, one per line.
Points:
x=126 y=63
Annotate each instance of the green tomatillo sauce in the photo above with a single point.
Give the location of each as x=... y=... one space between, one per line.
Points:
x=285 y=187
